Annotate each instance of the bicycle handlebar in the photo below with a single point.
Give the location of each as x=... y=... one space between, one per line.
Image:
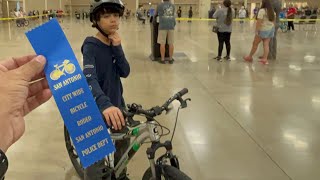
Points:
x=156 y=111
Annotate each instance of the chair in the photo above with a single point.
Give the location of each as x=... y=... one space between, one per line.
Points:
x=302 y=22
x=312 y=22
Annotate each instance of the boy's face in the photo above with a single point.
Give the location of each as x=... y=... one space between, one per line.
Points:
x=109 y=22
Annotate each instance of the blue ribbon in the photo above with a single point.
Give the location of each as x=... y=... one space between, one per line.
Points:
x=72 y=94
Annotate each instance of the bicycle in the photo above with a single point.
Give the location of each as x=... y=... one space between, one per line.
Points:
x=140 y=132
x=283 y=26
x=66 y=67
x=22 y=22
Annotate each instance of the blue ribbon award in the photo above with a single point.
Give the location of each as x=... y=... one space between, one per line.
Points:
x=71 y=92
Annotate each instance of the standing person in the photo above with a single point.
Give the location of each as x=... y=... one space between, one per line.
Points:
x=167 y=23
x=255 y=12
x=104 y=65
x=140 y=15
x=264 y=31
x=242 y=14
x=179 y=12
x=248 y=15
x=290 y=15
x=190 y=14
x=224 y=18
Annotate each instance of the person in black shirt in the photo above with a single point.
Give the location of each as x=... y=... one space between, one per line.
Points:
x=190 y=14
x=179 y=13
x=104 y=64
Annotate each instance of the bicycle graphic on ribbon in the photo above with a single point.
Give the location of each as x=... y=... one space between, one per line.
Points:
x=65 y=67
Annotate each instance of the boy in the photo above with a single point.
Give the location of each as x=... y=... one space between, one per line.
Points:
x=104 y=64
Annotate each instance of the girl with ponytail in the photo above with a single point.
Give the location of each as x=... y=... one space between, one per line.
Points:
x=224 y=17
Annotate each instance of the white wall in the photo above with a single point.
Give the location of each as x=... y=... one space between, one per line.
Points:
x=34 y=5
x=40 y=5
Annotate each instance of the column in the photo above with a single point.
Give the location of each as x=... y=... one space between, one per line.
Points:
x=204 y=7
x=8 y=13
x=60 y=5
x=245 y=4
x=253 y=5
x=1 y=15
x=137 y=5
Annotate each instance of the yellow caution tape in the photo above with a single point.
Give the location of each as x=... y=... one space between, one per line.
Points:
x=246 y=19
x=178 y=19
x=29 y=17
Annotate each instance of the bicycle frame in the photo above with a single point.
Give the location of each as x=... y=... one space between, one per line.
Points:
x=147 y=130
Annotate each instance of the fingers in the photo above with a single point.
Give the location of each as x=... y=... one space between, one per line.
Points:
x=114 y=118
x=113 y=121
x=120 y=115
x=37 y=86
x=37 y=100
x=32 y=68
x=14 y=63
x=106 y=116
x=38 y=76
x=118 y=121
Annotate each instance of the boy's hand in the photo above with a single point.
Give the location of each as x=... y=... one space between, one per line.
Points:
x=114 y=117
x=115 y=39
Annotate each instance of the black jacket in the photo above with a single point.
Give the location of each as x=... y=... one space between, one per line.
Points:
x=103 y=67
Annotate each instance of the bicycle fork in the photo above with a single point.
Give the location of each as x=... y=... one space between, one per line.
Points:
x=151 y=155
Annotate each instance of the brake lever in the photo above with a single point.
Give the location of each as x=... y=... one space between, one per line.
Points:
x=184 y=103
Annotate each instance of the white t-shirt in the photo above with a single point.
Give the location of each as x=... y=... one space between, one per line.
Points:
x=242 y=13
x=266 y=24
x=17 y=13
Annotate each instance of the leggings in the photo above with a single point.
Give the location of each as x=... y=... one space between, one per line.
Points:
x=224 y=37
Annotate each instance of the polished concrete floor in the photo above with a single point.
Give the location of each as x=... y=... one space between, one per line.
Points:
x=245 y=121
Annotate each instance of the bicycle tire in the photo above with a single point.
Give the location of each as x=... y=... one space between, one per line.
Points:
x=284 y=29
x=72 y=155
x=53 y=75
x=26 y=23
x=167 y=172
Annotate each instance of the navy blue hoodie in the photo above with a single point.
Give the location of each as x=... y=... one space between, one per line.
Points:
x=103 y=67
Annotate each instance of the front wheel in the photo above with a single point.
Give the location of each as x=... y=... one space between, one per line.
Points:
x=26 y=23
x=73 y=154
x=166 y=172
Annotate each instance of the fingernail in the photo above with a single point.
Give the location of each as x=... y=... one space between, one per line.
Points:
x=41 y=59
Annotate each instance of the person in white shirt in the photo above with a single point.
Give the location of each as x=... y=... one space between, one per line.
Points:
x=242 y=14
x=265 y=30
x=17 y=13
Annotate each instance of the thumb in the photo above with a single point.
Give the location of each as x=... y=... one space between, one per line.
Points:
x=32 y=68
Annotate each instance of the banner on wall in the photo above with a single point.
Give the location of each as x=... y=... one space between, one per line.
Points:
x=18 y=5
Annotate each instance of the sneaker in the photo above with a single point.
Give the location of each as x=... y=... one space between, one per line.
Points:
x=218 y=58
x=171 y=61
x=162 y=62
x=227 y=58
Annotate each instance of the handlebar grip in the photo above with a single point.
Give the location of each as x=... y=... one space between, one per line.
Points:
x=183 y=92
